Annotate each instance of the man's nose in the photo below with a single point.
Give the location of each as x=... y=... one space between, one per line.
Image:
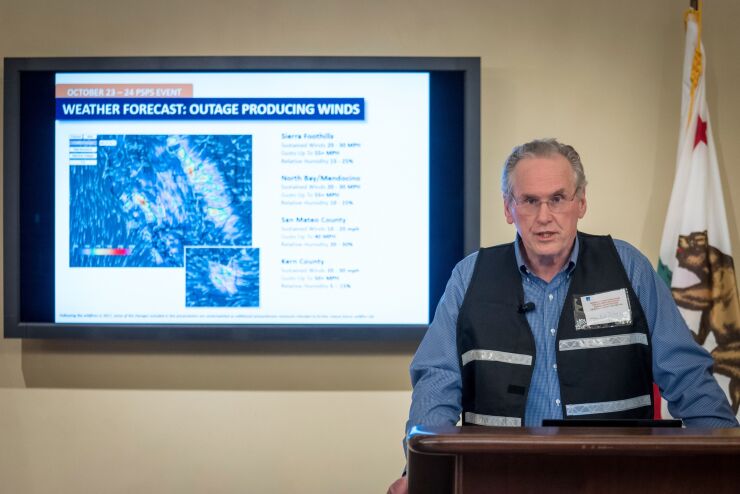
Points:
x=544 y=215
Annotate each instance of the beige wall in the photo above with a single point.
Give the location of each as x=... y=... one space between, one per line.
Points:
x=183 y=417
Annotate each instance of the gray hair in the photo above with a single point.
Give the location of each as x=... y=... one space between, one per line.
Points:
x=542 y=148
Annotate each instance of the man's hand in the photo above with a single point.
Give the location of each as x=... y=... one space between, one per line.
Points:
x=400 y=486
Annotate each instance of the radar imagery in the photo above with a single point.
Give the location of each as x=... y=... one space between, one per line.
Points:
x=144 y=198
x=222 y=277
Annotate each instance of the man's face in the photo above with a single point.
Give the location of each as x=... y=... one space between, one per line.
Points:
x=545 y=234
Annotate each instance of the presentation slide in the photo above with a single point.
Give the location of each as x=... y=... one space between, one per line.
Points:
x=242 y=198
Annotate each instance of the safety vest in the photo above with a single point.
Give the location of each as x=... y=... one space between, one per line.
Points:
x=605 y=370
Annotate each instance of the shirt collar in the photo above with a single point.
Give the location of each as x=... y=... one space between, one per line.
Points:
x=524 y=269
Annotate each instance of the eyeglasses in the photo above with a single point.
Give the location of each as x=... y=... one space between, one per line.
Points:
x=531 y=205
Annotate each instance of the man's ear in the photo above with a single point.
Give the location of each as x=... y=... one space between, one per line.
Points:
x=582 y=204
x=507 y=209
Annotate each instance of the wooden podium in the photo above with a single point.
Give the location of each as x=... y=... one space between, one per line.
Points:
x=543 y=460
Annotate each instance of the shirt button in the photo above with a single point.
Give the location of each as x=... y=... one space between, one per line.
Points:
x=550 y=297
x=555 y=366
x=557 y=402
x=552 y=331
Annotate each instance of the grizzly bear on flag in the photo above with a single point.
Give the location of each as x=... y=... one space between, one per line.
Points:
x=715 y=295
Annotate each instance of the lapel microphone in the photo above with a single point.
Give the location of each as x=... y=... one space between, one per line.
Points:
x=526 y=307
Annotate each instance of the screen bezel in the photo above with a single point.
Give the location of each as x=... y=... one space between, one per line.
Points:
x=14 y=327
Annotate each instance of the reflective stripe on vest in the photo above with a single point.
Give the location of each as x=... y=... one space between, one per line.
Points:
x=607 y=406
x=492 y=420
x=496 y=356
x=603 y=342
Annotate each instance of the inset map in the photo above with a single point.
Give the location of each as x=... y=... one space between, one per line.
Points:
x=150 y=196
x=222 y=277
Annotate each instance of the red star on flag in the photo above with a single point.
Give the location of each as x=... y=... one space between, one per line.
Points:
x=701 y=132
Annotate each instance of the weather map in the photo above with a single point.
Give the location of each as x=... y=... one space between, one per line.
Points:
x=140 y=200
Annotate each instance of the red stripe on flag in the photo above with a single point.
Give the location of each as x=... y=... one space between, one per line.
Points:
x=656 y=402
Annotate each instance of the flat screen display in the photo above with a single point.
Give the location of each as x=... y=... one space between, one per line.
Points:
x=200 y=200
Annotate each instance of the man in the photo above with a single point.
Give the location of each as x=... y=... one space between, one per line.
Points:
x=557 y=324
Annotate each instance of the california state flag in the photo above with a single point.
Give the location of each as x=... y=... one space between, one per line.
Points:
x=695 y=255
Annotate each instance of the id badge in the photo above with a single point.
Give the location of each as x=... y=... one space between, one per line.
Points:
x=602 y=310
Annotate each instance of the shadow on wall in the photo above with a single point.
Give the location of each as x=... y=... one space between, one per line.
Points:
x=264 y=366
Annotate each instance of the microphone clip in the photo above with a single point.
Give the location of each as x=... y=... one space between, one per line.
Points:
x=526 y=307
